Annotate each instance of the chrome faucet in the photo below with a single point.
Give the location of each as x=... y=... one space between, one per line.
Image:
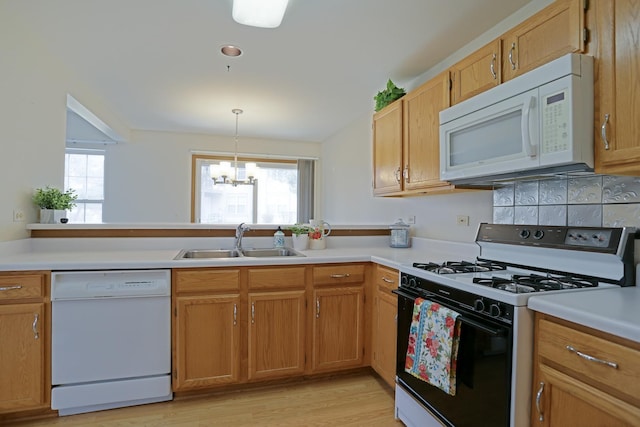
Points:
x=240 y=229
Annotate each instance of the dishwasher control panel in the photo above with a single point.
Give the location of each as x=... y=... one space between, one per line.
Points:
x=113 y=283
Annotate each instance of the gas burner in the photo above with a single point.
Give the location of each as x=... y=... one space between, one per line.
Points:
x=526 y=283
x=451 y=267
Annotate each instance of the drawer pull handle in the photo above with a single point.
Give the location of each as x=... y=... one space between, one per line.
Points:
x=591 y=358
x=10 y=288
x=34 y=326
x=384 y=279
x=339 y=276
x=538 y=398
x=317 y=308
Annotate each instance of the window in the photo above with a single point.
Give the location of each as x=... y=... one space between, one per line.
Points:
x=272 y=199
x=84 y=172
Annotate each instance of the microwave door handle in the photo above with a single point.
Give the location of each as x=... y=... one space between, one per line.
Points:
x=529 y=149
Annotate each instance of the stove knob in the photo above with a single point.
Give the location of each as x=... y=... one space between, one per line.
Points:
x=478 y=305
x=494 y=310
x=404 y=280
x=412 y=282
x=539 y=234
x=524 y=234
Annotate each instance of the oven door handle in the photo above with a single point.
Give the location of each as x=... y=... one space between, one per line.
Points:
x=477 y=325
x=473 y=323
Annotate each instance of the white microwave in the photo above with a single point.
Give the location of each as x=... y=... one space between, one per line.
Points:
x=539 y=123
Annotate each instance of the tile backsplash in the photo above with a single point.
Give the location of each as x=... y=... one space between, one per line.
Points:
x=593 y=201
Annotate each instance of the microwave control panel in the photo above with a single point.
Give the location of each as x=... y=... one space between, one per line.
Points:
x=555 y=122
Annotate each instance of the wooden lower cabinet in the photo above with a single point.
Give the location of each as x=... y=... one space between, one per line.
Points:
x=207 y=339
x=569 y=390
x=276 y=334
x=384 y=324
x=24 y=342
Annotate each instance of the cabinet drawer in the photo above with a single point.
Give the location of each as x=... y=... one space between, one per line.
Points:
x=386 y=277
x=20 y=286
x=213 y=280
x=338 y=274
x=625 y=378
x=266 y=278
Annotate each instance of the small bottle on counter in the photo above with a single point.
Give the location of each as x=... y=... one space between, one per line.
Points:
x=278 y=238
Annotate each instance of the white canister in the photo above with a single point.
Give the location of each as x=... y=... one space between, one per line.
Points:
x=399 y=235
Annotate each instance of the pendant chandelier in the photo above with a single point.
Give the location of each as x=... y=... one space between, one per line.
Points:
x=221 y=173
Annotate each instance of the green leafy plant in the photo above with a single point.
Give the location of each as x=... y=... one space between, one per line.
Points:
x=299 y=229
x=387 y=96
x=52 y=198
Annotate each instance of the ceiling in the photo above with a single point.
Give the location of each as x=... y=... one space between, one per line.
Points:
x=158 y=66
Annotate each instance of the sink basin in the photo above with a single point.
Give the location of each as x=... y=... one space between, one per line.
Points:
x=270 y=252
x=234 y=253
x=208 y=253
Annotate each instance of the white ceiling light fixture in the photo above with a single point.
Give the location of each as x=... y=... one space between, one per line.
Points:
x=221 y=173
x=259 y=13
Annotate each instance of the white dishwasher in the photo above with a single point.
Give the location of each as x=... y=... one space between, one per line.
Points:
x=110 y=339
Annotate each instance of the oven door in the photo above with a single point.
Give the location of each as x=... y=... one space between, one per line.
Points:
x=483 y=375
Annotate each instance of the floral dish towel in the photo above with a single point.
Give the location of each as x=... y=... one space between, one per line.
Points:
x=433 y=345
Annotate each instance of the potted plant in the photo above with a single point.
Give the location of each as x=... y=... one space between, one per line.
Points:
x=54 y=204
x=300 y=236
x=387 y=96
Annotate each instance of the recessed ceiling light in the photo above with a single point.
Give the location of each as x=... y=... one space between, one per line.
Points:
x=231 y=50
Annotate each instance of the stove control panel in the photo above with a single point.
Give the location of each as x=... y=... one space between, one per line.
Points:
x=589 y=238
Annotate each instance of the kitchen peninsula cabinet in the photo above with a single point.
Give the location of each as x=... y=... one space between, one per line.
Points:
x=617 y=145
x=385 y=311
x=206 y=328
x=24 y=341
x=277 y=299
x=338 y=317
x=556 y=30
x=476 y=73
x=583 y=377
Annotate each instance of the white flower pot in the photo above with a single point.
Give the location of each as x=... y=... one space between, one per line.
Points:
x=300 y=241
x=51 y=216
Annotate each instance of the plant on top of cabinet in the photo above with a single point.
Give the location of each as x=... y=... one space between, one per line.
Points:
x=388 y=95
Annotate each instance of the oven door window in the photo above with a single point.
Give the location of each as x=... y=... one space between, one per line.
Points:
x=483 y=372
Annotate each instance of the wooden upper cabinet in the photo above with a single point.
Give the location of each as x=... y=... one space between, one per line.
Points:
x=421 y=142
x=556 y=30
x=477 y=72
x=617 y=53
x=387 y=149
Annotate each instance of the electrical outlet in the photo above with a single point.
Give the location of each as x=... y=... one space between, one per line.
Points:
x=18 y=215
x=463 y=220
x=411 y=219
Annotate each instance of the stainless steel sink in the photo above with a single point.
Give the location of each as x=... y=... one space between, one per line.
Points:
x=234 y=253
x=270 y=252
x=208 y=253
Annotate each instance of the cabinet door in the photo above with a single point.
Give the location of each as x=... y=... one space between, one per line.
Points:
x=276 y=334
x=561 y=400
x=477 y=72
x=22 y=360
x=617 y=87
x=207 y=341
x=384 y=325
x=387 y=149
x=338 y=329
x=421 y=145
x=547 y=35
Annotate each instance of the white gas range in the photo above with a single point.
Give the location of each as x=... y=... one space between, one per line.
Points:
x=491 y=293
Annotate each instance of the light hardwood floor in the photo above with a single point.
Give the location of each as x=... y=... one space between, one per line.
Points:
x=355 y=400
